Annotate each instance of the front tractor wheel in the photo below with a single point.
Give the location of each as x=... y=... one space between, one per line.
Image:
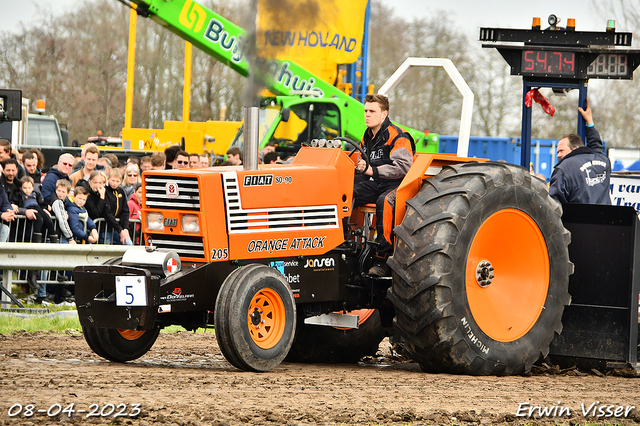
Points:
x=120 y=345
x=480 y=271
x=255 y=318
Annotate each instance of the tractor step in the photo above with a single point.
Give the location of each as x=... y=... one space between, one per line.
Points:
x=334 y=319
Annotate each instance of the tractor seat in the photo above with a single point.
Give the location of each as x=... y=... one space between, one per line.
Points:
x=368 y=208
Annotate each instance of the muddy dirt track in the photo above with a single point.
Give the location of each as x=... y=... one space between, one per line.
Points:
x=185 y=380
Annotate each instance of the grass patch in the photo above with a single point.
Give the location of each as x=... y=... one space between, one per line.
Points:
x=11 y=323
x=178 y=329
x=60 y=324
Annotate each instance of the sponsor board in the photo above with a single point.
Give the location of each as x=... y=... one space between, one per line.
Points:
x=625 y=191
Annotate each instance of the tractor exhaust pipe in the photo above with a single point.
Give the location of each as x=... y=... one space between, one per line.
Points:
x=251 y=138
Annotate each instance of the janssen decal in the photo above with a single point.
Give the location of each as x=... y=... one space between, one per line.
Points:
x=283 y=244
x=324 y=264
x=257 y=180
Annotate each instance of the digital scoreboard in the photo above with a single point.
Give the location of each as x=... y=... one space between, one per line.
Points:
x=542 y=62
x=565 y=53
x=561 y=59
x=612 y=65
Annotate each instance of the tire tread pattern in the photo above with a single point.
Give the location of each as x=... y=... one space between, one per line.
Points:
x=431 y=245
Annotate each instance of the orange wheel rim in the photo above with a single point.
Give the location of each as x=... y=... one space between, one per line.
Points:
x=507 y=275
x=266 y=318
x=131 y=334
x=363 y=314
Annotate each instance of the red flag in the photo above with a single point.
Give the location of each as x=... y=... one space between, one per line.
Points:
x=544 y=102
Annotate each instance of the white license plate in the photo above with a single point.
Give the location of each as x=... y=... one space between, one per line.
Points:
x=131 y=291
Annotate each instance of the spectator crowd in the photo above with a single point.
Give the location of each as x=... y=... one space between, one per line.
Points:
x=94 y=198
x=66 y=204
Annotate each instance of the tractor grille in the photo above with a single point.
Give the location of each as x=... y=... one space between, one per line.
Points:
x=187 y=198
x=185 y=246
x=242 y=220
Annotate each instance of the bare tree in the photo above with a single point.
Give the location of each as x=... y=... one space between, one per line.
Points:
x=498 y=95
x=427 y=99
x=79 y=66
x=617 y=103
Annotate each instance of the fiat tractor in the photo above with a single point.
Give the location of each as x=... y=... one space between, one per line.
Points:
x=276 y=259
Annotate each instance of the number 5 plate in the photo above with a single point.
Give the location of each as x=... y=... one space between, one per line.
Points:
x=131 y=291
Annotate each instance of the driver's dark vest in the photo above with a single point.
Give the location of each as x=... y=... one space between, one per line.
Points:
x=379 y=149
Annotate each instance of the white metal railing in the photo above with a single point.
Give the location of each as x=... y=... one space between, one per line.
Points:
x=20 y=254
x=43 y=256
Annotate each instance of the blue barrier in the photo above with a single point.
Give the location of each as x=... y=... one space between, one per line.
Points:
x=543 y=151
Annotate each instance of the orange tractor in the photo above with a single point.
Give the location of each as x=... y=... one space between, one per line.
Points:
x=274 y=258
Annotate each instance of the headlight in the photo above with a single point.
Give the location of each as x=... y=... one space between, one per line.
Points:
x=190 y=223
x=155 y=222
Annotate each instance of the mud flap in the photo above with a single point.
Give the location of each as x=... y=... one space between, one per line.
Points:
x=100 y=306
x=600 y=327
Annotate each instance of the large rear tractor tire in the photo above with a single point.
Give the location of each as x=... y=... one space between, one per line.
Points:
x=255 y=318
x=120 y=345
x=480 y=271
x=333 y=345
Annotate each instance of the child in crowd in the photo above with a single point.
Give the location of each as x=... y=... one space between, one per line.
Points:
x=98 y=208
x=78 y=214
x=57 y=201
x=31 y=207
x=135 y=206
x=117 y=201
x=63 y=187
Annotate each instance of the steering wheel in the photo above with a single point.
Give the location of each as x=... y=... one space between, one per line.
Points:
x=356 y=147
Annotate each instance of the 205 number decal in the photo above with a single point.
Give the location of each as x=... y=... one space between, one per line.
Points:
x=220 y=254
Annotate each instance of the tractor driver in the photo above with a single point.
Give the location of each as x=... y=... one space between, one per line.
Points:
x=390 y=151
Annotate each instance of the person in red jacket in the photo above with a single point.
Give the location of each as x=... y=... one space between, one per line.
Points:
x=135 y=206
x=390 y=150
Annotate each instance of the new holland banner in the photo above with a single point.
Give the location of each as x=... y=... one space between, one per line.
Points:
x=311 y=32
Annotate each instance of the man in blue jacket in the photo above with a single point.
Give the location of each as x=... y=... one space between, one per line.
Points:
x=583 y=172
x=7 y=215
x=65 y=165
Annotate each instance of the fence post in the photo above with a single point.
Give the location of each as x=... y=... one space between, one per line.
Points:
x=7 y=274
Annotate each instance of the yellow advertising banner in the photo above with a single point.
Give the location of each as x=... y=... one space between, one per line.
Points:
x=316 y=34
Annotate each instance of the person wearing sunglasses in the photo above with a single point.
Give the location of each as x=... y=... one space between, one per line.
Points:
x=182 y=160
x=64 y=167
x=131 y=178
